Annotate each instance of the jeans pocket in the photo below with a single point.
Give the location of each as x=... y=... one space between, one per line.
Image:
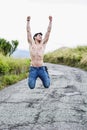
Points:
x=46 y=69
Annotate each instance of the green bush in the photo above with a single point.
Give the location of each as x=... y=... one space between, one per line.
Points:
x=12 y=70
x=75 y=57
x=4 y=68
x=11 y=79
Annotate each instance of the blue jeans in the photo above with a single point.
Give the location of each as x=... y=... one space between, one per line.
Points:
x=42 y=73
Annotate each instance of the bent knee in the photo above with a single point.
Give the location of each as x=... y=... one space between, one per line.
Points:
x=31 y=86
x=47 y=85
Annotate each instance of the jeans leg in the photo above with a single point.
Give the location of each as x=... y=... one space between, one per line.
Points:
x=44 y=76
x=32 y=78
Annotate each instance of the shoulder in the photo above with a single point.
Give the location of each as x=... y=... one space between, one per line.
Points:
x=32 y=42
x=44 y=42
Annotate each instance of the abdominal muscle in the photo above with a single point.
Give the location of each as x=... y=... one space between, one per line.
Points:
x=36 y=63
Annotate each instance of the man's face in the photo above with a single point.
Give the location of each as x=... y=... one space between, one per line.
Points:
x=39 y=37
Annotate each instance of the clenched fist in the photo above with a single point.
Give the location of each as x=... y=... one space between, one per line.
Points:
x=50 y=18
x=28 y=18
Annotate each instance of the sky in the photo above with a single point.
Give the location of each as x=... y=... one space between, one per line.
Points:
x=69 y=25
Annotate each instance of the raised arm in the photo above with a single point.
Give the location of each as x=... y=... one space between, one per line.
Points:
x=29 y=36
x=46 y=38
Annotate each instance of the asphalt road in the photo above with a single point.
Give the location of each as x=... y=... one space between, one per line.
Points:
x=61 y=107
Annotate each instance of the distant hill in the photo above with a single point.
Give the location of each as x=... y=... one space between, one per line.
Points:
x=21 y=54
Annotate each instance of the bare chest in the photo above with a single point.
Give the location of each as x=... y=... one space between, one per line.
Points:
x=37 y=50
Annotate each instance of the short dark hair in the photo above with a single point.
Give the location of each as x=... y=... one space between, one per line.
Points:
x=37 y=34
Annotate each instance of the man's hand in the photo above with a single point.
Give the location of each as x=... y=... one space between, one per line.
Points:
x=28 y=18
x=50 y=18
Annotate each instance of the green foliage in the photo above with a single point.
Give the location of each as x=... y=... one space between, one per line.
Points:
x=76 y=57
x=11 y=79
x=12 y=70
x=13 y=66
x=13 y=46
x=83 y=62
x=6 y=47
x=4 y=68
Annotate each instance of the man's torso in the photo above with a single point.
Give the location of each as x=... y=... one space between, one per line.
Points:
x=37 y=53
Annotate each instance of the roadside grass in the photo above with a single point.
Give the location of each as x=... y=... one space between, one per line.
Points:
x=12 y=70
x=74 y=57
x=7 y=80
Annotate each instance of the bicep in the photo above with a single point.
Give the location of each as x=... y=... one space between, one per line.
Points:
x=46 y=37
x=29 y=37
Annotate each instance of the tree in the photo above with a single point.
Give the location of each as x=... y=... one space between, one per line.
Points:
x=8 y=48
x=13 y=46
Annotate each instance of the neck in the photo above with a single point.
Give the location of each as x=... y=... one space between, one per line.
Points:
x=37 y=42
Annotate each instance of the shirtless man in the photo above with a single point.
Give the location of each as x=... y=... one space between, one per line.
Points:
x=37 y=47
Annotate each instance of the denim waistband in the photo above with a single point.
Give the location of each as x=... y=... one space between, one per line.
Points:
x=38 y=67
